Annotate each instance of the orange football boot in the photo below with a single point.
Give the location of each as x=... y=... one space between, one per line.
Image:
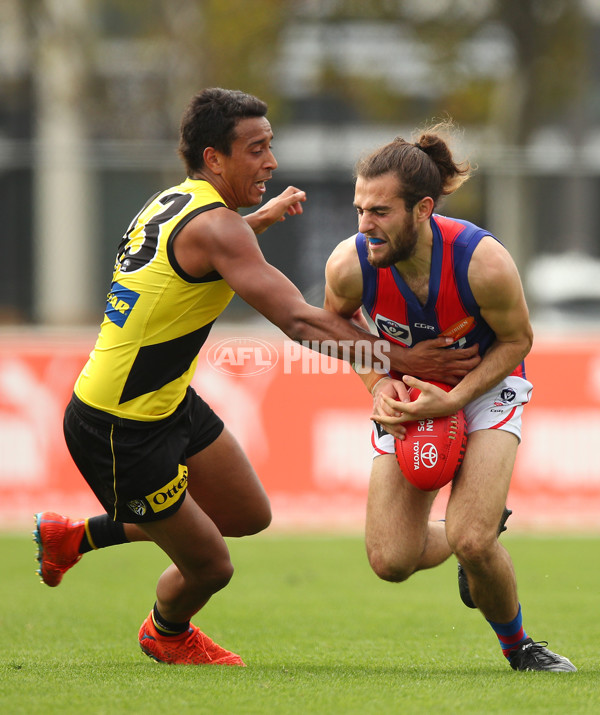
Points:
x=58 y=539
x=190 y=648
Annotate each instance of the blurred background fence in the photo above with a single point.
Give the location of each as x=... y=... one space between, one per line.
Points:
x=92 y=92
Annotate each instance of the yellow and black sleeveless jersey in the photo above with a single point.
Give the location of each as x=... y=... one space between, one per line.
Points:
x=157 y=317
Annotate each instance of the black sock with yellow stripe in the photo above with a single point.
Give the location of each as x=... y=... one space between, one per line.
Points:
x=165 y=628
x=101 y=531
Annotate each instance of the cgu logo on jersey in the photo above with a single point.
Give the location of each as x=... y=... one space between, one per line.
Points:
x=396 y=331
x=119 y=303
x=166 y=496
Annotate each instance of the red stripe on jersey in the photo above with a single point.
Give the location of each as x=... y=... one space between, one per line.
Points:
x=519 y=371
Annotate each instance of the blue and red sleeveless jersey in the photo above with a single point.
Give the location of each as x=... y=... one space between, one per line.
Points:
x=451 y=308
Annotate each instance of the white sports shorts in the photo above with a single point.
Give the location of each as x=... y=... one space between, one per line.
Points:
x=499 y=408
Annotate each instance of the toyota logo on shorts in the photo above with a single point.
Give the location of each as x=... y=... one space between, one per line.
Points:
x=245 y=357
x=429 y=455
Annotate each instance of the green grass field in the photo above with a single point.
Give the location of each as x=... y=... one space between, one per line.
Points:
x=318 y=631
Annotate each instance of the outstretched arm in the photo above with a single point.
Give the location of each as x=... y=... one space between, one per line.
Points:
x=220 y=240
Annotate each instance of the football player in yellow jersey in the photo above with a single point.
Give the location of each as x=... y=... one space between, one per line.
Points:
x=158 y=458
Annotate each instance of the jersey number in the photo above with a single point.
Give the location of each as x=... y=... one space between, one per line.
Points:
x=130 y=259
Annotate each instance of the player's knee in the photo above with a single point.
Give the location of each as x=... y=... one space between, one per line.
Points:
x=216 y=575
x=224 y=575
x=472 y=549
x=386 y=568
x=260 y=519
x=253 y=522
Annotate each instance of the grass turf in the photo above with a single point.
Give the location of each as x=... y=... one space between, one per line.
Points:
x=318 y=631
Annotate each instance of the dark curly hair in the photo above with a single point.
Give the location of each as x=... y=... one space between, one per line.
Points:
x=210 y=120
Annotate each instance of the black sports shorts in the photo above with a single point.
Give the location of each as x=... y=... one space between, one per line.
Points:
x=137 y=470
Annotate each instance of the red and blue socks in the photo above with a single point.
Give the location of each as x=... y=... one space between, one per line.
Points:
x=510 y=635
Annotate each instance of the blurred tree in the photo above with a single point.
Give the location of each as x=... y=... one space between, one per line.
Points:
x=157 y=53
x=124 y=69
x=541 y=78
x=516 y=64
x=240 y=48
x=505 y=67
x=543 y=82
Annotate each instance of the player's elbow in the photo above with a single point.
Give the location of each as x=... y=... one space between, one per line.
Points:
x=297 y=328
x=519 y=346
x=302 y=322
x=529 y=342
x=525 y=344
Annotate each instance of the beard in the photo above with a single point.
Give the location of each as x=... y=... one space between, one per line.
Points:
x=401 y=249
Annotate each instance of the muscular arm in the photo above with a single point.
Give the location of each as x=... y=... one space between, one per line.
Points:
x=221 y=240
x=497 y=288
